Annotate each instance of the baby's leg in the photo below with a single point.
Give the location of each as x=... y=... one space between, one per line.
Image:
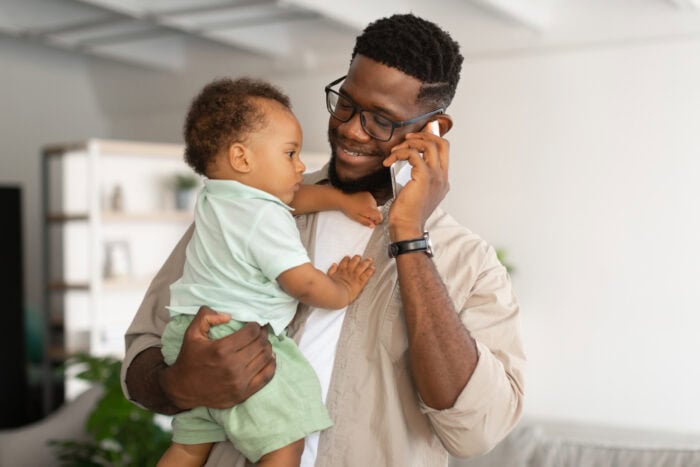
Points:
x=287 y=456
x=185 y=455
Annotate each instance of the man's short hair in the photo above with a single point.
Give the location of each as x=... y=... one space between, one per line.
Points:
x=418 y=48
x=223 y=113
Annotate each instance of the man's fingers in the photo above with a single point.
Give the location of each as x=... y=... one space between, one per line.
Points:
x=441 y=156
x=251 y=337
x=204 y=320
x=263 y=376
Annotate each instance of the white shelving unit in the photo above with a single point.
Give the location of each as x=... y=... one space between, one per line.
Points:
x=89 y=304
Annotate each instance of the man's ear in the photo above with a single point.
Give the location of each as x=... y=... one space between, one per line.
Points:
x=239 y=158
x=445 y=122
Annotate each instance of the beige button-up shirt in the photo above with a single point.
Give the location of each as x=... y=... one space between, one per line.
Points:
x=379 y=418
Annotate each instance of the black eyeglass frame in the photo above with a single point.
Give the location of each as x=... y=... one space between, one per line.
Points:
x=357 y=109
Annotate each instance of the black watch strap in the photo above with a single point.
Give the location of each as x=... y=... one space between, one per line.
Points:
x=410 y=246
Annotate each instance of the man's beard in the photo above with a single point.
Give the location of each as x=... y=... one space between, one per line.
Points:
x=378 y=182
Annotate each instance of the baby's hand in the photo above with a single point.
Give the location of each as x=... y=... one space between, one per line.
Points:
x=353 y=273
x=361 y=207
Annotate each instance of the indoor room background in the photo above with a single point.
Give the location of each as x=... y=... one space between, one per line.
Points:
x=575 y=150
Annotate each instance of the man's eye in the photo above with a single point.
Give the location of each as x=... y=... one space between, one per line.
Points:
x=381 y=121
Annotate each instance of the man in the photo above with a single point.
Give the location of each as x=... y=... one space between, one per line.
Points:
x=428 y=360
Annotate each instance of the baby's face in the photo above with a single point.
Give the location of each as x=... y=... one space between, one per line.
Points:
x=276 y=167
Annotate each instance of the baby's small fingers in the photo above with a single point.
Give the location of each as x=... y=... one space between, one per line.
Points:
x=364 y=265
x=367 y=273
x=344 y=263
x=332 y=270
x=365 y=220
x=375 y=215
x=354 y=261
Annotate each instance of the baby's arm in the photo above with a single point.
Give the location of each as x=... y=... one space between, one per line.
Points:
x=360 y=207
x=332 y=291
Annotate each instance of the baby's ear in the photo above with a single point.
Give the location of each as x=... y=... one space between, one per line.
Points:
x=239 y=158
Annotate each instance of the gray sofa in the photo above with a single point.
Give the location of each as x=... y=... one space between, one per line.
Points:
x=538 y=443
x=28 y=446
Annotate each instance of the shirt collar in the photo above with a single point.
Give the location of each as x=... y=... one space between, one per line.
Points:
x=230 y=189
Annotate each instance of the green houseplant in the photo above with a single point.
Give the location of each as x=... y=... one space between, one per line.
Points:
x=121 y=433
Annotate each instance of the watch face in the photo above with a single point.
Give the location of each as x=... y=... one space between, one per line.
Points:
x=393 y=250
x=408 y=246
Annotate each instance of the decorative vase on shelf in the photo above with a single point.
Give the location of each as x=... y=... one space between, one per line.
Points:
x=185 y=185
x=117 y=262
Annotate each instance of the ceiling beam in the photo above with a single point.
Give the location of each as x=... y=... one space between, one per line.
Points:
x=523 y=12
x=356 y=14
x=685 y=4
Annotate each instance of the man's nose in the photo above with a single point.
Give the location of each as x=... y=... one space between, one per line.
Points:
x=352 y=129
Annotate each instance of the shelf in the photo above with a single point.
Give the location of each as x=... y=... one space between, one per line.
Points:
x=65 y=217
x=153 y=216
x=119 y=283
x=119 y=148
x=60 y=286
x=57 y=354
x=83 y=309
x=126 y=216
x=111 y=283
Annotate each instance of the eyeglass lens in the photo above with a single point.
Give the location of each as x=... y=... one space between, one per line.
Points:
x=375 y=125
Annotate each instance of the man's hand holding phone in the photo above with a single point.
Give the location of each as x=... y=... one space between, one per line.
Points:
x=426 y=156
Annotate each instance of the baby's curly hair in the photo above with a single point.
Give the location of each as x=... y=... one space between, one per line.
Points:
x=418 y=48
x=223 y=113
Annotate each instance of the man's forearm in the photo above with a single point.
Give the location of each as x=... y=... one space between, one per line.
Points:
x=143 y=379
x=442 y=354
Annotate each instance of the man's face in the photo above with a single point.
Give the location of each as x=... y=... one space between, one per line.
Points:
x=356 y=158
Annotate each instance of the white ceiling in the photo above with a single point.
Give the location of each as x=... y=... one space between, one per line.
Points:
x=166 y=34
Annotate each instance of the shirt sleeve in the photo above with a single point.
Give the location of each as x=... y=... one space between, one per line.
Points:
x=490 y=404
x=152 y=316
x=274 y=242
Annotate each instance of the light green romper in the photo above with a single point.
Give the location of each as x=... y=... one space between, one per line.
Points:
x=243 y=240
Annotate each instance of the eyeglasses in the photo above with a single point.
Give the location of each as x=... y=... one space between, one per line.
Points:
x=378 y=127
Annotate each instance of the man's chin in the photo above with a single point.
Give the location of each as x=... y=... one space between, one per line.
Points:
x=376 y=181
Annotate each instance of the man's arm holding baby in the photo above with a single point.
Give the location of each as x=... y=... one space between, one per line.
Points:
x=241 y=364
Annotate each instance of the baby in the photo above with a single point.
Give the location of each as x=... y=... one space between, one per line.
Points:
x=246 y=259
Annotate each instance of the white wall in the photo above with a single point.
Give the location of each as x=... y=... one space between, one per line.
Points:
x=585 y=166
x=46 y=97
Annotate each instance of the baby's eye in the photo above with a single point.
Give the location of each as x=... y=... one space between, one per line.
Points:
x=291 y=154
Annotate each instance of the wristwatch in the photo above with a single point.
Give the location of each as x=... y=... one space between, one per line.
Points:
x=409 y=246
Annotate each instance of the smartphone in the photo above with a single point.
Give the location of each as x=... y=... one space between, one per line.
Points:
x=401 y=170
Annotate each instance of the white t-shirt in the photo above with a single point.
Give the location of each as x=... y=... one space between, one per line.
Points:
x=336 y=236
